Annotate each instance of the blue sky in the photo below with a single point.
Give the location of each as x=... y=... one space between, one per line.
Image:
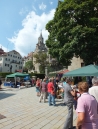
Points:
x=22 y=21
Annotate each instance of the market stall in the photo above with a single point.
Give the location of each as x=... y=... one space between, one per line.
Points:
x=90 y=70
x=16 y=77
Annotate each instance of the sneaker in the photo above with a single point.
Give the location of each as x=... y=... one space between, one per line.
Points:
x=50 y=104
x=74 y=127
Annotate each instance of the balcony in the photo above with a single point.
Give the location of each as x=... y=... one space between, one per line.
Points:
x=14 y=61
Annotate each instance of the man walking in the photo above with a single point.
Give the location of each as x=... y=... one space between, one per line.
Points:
x=94 y=89
x=68 y=99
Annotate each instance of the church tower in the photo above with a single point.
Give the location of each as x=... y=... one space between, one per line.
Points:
x=40 y=47
x=40 y=39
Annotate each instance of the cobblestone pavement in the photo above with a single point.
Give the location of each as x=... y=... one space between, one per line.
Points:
x=20 y=109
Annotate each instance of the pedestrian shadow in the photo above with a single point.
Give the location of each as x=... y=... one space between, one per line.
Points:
x=2 y=117
x=4 y=95
x=60 y=104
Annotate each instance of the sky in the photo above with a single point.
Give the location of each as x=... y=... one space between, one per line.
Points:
x=22 y=21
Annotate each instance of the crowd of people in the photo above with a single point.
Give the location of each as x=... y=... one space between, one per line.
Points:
x=83 y=96
x=47 y=88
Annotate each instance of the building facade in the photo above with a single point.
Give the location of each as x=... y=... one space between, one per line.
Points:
x=11 y=61
x=75 y=63
x=27 y=58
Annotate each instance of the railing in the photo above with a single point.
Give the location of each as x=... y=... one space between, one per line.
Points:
x=15 y=62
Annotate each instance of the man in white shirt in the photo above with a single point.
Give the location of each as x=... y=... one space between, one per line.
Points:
x=94 y=89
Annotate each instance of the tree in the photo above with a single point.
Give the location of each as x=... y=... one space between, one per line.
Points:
x=25 y=69
x=42 y=59
x=29 y=65
x=74 y=31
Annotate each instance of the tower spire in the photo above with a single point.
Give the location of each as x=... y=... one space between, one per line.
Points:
x=41 y=34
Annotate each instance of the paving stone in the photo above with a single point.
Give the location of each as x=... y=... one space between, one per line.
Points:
x=1 y=126
x=23 y=111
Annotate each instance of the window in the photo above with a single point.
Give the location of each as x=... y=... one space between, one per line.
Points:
x=16 y=65
x=82 y=64
x=7 y=65
x=6 y=59
x=20 y=67
x=8 y=54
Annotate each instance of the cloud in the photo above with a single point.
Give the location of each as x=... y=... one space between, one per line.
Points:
x=25 y=40
x=23 y=11
x=34 y=8
x=42 y=6
x=51 y=2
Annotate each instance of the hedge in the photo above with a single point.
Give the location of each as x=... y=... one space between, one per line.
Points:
x=3 y=75
x=38 y=75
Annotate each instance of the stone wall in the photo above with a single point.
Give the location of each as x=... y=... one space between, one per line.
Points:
x=76 y=63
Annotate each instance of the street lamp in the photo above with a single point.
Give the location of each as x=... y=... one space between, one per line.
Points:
x=46 y=71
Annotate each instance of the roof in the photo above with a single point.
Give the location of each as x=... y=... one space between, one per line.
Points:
x=17 y=74
x=63 y=71
x=90 y=70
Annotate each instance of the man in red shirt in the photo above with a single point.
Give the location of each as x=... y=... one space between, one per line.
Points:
x=51 y=92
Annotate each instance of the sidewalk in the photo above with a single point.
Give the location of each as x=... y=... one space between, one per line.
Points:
x=20 y=109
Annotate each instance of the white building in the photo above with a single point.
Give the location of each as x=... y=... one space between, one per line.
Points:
x=11 y=62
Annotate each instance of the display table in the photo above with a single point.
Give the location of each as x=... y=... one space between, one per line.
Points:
x=27 y=84
x=9 y=84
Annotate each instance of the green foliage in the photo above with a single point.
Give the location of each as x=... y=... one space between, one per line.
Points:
x=29 y=65
x=42 y=59
x=25 y=69
x=41 y=75
x=52 y=75
x=74 y=30
x=3 y=75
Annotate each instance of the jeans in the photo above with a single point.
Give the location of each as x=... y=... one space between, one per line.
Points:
x=51 y=99
x=75 y=104
x=69 y=119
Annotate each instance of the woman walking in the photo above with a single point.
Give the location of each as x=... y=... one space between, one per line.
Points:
x=43 y=90
x=38 y=84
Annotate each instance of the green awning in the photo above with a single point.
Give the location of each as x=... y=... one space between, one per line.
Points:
x=17 y=75
x=90 y=70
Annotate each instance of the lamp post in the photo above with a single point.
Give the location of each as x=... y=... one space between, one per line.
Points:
x=46 y=71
